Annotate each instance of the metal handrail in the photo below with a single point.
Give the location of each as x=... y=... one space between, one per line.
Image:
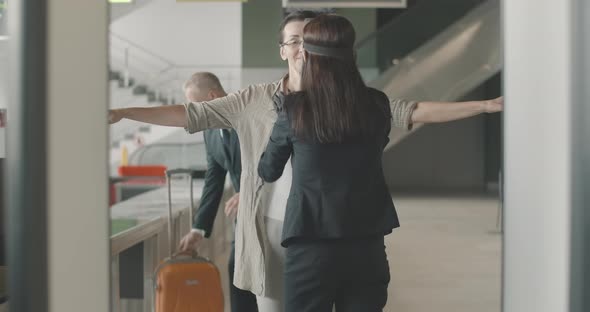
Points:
x=159 y=77
x=169 y=63
x=143 y=49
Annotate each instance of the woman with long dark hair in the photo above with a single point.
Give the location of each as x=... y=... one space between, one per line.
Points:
x=339 y=207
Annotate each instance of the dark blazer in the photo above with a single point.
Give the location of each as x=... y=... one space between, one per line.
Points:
x=223 y=155
x=338 y=190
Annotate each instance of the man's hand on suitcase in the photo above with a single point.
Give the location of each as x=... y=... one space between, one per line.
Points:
x=190 y=242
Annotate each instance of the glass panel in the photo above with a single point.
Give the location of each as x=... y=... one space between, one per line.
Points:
x=121 y=225
x=3 y=116
x=473 y=218
x=171 y=155
x=142 y=75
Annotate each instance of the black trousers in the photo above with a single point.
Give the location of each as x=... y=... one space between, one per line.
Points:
x=241 y=300
x=351 y=275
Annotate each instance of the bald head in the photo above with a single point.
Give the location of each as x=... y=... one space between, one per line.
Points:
x=203 y=86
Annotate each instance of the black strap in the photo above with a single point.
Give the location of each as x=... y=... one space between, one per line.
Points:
x=341 y=53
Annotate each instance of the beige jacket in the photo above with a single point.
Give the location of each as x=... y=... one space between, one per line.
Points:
x=251 y=112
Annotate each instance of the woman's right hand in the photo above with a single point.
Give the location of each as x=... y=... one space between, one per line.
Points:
x=495 y=105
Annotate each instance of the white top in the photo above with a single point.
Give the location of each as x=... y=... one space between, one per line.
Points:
x=274 y=202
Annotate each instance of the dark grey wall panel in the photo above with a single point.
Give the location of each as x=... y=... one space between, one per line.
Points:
x=438 y=157
x=580 y=254
x=454 y=156
x=26 y=158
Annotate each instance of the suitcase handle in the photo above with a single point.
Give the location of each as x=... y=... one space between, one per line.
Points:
x=176 y=171
x=169 y=174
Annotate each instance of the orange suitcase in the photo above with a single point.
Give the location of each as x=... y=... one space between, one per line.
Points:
x=186 y=283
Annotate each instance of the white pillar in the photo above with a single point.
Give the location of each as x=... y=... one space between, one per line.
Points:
x=537 y=132
x=78 y=213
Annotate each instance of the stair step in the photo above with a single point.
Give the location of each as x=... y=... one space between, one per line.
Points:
x=131 y=82
x=140 y=89
x=114 y=75
x=151 y=96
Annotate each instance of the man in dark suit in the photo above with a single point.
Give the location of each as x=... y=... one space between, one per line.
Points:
x=223 y=156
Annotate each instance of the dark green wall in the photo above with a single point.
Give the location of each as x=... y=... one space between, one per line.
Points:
x=365 y=23
x=260 y=23
x=405 y=31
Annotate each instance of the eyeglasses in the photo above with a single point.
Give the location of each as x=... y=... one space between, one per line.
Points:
x=292 y=43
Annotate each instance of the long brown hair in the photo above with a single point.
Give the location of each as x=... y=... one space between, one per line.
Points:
x=334 y=103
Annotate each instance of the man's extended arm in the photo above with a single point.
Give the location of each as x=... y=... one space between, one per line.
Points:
x=170 y=115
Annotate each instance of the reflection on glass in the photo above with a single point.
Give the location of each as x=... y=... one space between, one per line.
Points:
x=3 y=24
x=121 y=225
x=3 y=118
x=2 y=8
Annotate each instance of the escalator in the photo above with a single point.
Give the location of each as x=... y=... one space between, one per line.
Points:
x=437 y=50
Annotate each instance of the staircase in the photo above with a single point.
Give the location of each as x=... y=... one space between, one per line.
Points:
x=444 y=67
